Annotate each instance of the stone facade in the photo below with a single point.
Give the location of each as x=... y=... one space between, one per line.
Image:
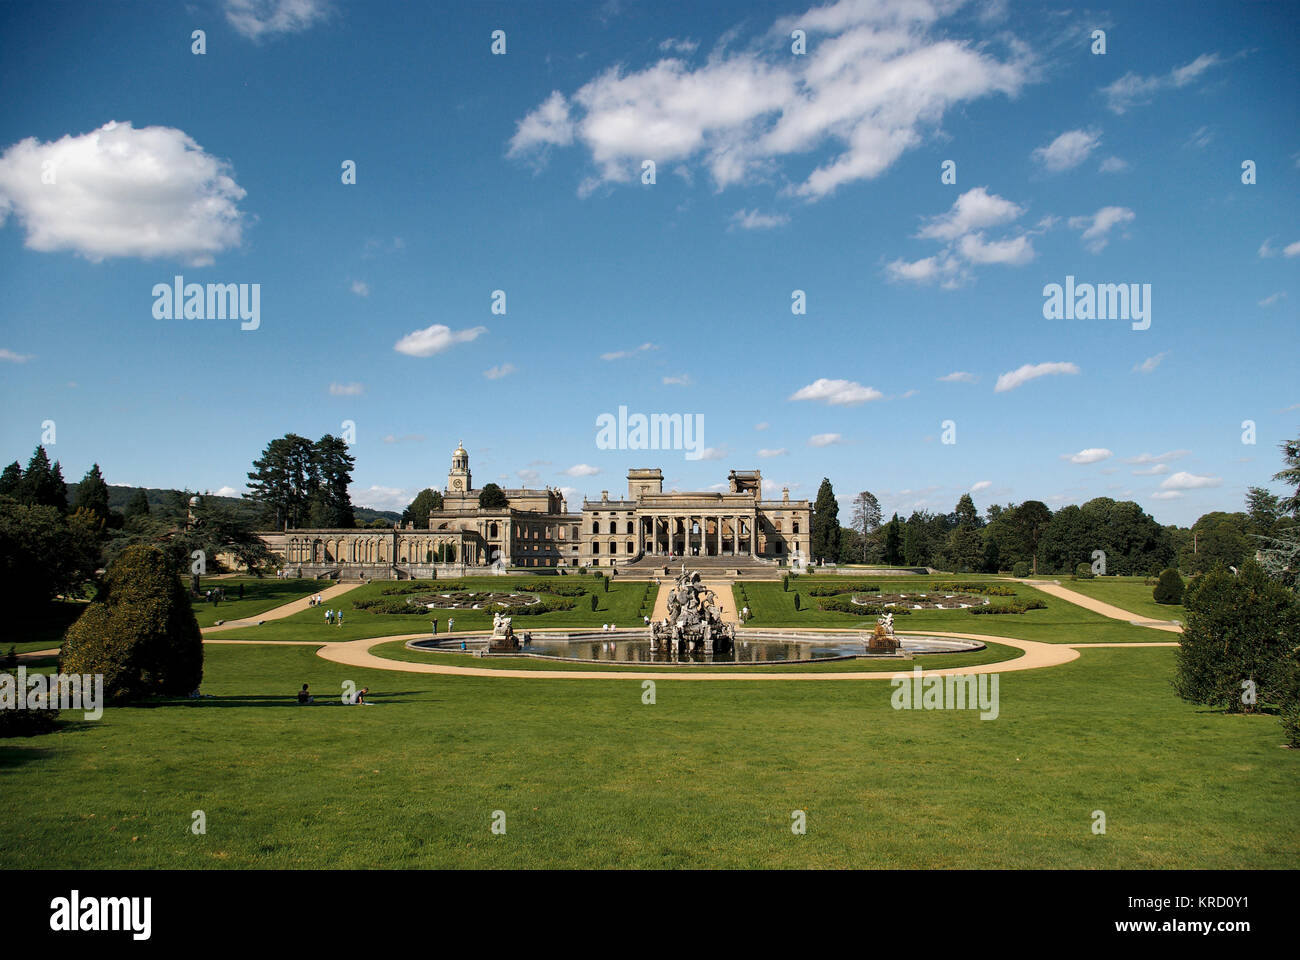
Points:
x=536 y=529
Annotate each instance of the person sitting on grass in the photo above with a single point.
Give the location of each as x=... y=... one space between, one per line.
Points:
x=304 y=696
x=361 y=697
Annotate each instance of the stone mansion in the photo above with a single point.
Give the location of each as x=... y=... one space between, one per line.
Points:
x=645 y=530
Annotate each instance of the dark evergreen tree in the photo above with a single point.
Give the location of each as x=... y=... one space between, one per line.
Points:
x=491 y=497
x=92 y=494
x=11 y=480
x=893 y=542
x=825 y=524
x=42 y=484
x=1239 y=628
x=139 y=633
x=425 y=502
x=138 y=505
x=1169 y=588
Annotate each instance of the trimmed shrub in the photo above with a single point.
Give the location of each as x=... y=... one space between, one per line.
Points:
x=1021 y=569
x=846 y=605
x=1169 y=588
x=988 y=589
x=796 y=601
x=848 y=586
x=140 y=632
x=1019 y=606
x=594 y=603
x=1083 y=571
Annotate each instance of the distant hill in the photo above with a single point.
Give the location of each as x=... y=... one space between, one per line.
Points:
x=118 y=496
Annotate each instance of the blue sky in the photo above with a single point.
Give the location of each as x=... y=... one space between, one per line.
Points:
x=774 y=172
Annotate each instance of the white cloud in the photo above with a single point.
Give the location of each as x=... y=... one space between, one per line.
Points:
x=962 y=230
x=1166 y=495
x=1096 y=228
x=1131 y=89
x=1015 y=251
x=581 y=470
x=713 y=453
x=959 y=376
x=1152 y=471
x=1149 y=364
x=499 y=371
x=256 y=19
x=11 y=357
x=780 y=452
x=548 y=126
x=1200 y=138
x=824 y=439
x=882 y=78
x=624 y=354
x=346 y=389
x=383 y=498
x=1068 y=150
x=1113 y=165
x=435 y=339
x=762 y=426
x=1292 y=249
x=845 y=393
x=981 y=485
x=1158 y=458
x=227 y=492
x=527 y=477
x=122 y=192
x=1273 y=298
x=1031 y=371
x=1091 y=455
x=361 y=288
x=674 y=45
x=976 y=209
x=405 y=438
x=682 y=381
x=753 y=220
x=1182 y=480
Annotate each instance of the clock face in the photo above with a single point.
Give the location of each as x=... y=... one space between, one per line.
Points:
x=455 y=484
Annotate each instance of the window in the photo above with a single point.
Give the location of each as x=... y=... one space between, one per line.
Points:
x=629 y=526
x=795 y=526
x=613 y=547
x=595 y=526
x=595 y=547
x=631 y=547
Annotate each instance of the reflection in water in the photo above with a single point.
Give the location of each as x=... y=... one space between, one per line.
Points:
x=638 y=651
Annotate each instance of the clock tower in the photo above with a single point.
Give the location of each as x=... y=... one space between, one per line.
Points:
x=459 y=481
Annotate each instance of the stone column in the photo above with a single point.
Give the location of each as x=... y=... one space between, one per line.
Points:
x=718 y=533
x=753 y=536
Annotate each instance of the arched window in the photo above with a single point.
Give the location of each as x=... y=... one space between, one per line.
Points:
x=630 y=528
x=595 y=526
x=795 y=526
x=492 y=530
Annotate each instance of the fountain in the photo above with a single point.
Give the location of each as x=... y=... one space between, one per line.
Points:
x=694 y=622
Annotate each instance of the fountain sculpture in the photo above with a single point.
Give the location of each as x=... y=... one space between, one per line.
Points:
x=694 y=622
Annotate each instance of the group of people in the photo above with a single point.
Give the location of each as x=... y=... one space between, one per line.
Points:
x=334 y=617
x=358 y=699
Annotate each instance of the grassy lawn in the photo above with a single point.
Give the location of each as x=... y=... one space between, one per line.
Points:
x=621 y=605
x=589 y=776
x=994 y=653
x=1127 y=593
x=1059 y=622
x=259 y=596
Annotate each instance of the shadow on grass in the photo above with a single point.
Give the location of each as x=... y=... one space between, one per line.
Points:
x=276 y=700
